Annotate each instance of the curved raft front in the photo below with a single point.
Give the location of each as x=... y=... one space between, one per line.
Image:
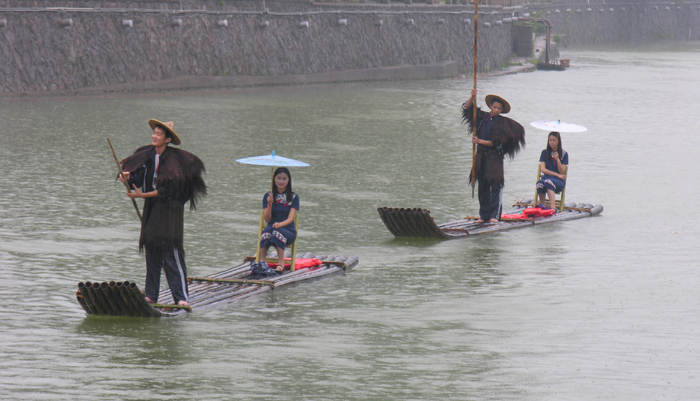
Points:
x=125 y=299
x=403 y=222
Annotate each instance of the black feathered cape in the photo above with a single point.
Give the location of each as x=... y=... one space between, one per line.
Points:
x=508 y=136
x=179 y=181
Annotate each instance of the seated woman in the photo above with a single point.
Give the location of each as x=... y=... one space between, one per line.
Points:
x=279 y=209
x=553 y=162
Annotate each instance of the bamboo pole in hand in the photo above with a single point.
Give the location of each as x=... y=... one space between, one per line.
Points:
x=121 y=174
x=476 y=18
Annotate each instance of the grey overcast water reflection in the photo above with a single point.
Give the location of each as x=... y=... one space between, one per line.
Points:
x=599 y=308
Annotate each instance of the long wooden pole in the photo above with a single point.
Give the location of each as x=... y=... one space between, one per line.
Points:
x=476 y=20
x=121 y=174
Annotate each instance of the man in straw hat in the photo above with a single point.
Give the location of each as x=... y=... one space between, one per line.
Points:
x=166 y=178
x=496 y=136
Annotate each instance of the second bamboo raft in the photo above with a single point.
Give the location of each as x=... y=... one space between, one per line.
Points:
x=406 y=222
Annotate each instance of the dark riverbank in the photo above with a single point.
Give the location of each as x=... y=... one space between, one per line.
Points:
x=101 y=47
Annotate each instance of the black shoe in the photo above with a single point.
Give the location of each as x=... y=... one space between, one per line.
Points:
x=255 y=268
x=265 y=270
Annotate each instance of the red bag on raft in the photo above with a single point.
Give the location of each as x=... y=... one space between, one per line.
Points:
x=514 y=216
x=299 y=263
x=529 y=213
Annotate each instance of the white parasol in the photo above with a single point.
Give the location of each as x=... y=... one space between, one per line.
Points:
x=273 y=160
x=558 y=126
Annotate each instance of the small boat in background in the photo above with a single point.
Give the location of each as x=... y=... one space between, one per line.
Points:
x=554 y=66
x=237 y=283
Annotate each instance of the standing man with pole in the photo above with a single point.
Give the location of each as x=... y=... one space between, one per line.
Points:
x=166 y=178
x=495 y=137
x=492 y=136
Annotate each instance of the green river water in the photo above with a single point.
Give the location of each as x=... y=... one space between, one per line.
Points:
x=597 y=308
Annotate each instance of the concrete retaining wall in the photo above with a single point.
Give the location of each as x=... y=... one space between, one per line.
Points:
x=622 y=22
x=140 y=45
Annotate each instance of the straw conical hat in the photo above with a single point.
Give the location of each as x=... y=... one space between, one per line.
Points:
x=168 y=127
x=491 y=98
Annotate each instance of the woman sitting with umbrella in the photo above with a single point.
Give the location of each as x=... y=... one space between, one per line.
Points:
x=553 y=162
x=279 y=209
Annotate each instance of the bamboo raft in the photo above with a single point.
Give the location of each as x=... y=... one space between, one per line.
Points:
x=125 y=299
x=404 y=222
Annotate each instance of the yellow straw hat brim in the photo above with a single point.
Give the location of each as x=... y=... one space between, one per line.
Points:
x=491 y=98
x=168 y=127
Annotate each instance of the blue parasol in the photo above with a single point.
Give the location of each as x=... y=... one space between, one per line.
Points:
x=272 y=160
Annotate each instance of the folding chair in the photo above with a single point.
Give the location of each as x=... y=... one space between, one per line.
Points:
x=261 y=227
x=559 y=203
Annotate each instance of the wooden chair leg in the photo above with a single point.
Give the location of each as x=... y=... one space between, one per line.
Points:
x=539 y=173
x=294 y=245
x=261 y=226
x=563 y=191
x=561 y=199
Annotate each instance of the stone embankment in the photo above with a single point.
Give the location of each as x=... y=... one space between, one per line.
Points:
x=101 y=46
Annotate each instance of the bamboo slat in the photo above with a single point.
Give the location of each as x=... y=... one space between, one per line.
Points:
x=98 y=299
x=141 y=302
x=87 y=298
x=82 y=299
x=125 y=294
x=388 y=222
x=106 y=292
x=406 y=222
x=122 y=305
x=232 y=281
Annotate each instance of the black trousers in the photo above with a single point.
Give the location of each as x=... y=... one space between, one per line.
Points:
x=173 y=262
x=490 y=200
